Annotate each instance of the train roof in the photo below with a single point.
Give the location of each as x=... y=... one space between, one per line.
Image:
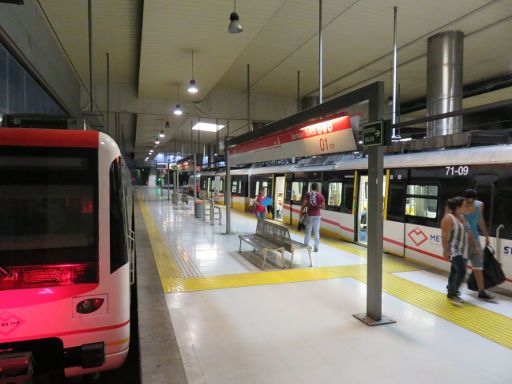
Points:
x=35 y=137
x=490 y=154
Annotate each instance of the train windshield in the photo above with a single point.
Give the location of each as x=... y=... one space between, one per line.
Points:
x=48 y=206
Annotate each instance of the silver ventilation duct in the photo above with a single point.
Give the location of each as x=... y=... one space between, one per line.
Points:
x=444 y=81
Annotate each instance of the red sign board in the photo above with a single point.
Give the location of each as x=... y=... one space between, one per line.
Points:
x=323 y=137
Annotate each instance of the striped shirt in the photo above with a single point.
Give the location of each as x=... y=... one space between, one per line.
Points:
x=458 y=241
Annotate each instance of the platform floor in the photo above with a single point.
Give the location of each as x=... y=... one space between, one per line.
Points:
x=235 y=323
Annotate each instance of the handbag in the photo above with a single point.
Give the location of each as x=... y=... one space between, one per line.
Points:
x=303 y=221
x=493 y=273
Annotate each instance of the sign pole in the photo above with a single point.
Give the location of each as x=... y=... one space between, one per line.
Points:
x=227 y=187
x=374 y=137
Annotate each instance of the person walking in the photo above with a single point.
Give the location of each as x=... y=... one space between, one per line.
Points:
x=473 y=210
x=456 y=240
x=313 y=202
x=260 y=208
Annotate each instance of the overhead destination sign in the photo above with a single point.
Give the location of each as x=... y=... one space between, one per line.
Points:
x=328 y=136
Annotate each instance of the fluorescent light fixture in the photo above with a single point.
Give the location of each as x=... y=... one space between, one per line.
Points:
x=208 y=127
x=178 y=111
x=162 y=134
x=157 y=141
x=192 y=87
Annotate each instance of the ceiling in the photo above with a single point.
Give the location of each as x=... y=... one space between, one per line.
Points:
x=150 y=44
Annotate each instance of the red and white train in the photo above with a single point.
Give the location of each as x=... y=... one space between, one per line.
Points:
x=416 y=187
x=66 y=253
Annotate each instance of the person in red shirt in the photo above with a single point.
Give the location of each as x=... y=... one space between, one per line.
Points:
x=260 y=208
x=313 y=202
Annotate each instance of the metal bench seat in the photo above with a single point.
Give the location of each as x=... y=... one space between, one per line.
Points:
x=291 y=246
x=271 y=236
x=261 y=243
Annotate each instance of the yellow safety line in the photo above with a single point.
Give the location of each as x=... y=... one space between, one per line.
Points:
x=165 y=263
x=483 y=322
x=265 y=278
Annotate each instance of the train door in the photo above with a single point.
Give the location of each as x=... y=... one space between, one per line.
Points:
x=279 y=197
x=362 y=211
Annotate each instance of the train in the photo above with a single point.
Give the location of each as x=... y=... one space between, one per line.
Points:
x=416 y=187
x=67 y=254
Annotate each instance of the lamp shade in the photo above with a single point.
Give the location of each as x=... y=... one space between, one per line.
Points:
x=192 y=87
x=234 y=25
x=177 y=110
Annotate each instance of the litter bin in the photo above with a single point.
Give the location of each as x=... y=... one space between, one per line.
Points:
x=199 y=209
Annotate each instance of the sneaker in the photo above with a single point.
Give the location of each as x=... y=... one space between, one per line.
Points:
x=315 y=250
x=456 y=300
x=485 y=296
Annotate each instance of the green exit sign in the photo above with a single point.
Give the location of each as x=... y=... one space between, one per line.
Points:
x=374 y=134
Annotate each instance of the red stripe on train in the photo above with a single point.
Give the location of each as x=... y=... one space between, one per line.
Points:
x=34 y=137
x=324 y=220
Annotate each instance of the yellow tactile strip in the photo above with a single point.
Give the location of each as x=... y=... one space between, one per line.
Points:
x=488 y=324
x=165 y=263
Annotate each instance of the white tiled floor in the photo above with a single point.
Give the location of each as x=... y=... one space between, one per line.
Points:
x=216 y=253
x=305 y=333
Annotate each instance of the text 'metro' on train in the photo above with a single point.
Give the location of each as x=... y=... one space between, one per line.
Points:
x=416 y=187
x=66 y=253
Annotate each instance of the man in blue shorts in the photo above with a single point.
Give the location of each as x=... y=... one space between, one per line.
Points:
x=473 y=210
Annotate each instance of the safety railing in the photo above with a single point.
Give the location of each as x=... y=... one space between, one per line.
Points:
x=214 y=211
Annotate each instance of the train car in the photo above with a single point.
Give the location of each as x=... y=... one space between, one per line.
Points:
x=66 y=253
x=416 y=187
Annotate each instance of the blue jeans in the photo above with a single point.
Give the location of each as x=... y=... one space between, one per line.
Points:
x=457 y=274
x=313 y=223
x=260 y=215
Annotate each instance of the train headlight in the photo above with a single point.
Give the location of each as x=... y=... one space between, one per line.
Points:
x=89 y=305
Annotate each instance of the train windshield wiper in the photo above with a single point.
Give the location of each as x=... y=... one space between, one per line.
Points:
x=4 y=272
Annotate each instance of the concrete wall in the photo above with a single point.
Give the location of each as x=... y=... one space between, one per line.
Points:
x=26 y=32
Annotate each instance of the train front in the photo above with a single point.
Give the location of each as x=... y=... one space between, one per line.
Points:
x=64 y=290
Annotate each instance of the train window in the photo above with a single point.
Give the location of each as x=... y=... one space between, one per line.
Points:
x=236 y=187
x=421 y=201
x=118 y=249
x=297 y=190
x=347 y=197
x=335 y=194
x=48 y=206
x=319 y=185
x=396 y=197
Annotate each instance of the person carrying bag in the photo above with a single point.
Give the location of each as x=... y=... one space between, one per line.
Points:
x=493 y=273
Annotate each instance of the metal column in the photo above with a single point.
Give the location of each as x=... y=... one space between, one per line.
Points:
x=298 y=91
x=108 y=93
x=168 y=177
x=445 y=53
x=320 y=53
x=395 y=56
x=227 y=187
x=249 y=127
x=375 y=221
x=89 y=13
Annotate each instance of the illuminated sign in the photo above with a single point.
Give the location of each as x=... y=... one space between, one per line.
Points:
x=327 y=136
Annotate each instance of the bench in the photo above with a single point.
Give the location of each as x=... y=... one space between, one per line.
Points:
x=291 y=246
x=276 y=237
x=268 y=237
